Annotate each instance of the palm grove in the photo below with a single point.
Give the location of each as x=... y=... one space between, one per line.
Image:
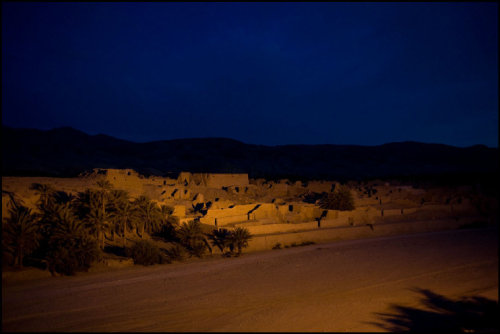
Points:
x=67 y=233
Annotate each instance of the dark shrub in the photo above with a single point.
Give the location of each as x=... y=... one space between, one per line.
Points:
x=341 y=199
x=312 y=197
x=305 y=243
x=145 y=252
x=69 y=256
x=176 y=253
x=198 y=248
x=168 y=230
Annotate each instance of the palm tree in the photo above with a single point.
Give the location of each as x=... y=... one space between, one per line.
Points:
x=15 y=200
x=70 y=247
x=125 y=215
x=67 y=225
x=20 y=233
x=98 y=220
x=104 y=185
x=57 y=215
x=82 y=201
x=62 y=197
x=239 y=238
x=169 y=223
x=45 y=191
x=149 y=213
x=191 y=237
x=220 y=238
x=166 y=211
x=116 y=197
x=91 y=207
x=104 y=188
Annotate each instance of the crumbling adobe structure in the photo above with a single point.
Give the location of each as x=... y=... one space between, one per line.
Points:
x=264 y=207
x=213 y=180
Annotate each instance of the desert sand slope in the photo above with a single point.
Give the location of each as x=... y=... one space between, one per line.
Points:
x=330 y=287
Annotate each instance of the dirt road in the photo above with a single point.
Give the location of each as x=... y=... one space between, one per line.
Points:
x=330 y=287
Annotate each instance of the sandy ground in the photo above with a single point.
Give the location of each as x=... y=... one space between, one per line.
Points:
x=329 y=287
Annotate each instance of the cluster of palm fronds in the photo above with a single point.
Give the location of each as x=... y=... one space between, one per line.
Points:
x=196 y=240
x=67 y=232
x=230 y=242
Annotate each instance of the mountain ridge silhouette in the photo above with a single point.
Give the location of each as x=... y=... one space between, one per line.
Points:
x=66 y=152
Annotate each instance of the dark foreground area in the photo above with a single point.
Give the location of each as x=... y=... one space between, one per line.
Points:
x=440 y=280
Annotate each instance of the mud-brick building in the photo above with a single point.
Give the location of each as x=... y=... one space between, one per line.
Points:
x=213 y=180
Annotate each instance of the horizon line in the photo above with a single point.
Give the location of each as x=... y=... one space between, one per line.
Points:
x=240 y=141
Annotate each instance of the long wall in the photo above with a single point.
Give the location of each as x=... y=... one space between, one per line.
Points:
x=213 y=180
x=335 y=219
x=123 y=178
x=266 y=242
x=278 y=228
x=226 y=180
x=240 y=213
x=302 y=213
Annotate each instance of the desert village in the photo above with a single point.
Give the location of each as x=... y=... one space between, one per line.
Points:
x=174 y=294
x=275 y=212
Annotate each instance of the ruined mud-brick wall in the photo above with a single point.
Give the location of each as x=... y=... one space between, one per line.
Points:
x=320 y=186
x=174 y=193
x=295 y=213
x=184 y=178
x=161 y=181
x=225 y=216
x=21 y=188
x=126 y=179
x=131 y=181
x=240 y=213
x=213 y=180
x=226 y=180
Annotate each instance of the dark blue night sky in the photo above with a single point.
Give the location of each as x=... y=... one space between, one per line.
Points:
x=262 y=73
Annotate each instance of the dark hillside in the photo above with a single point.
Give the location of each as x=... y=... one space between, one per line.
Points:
x=66 y=152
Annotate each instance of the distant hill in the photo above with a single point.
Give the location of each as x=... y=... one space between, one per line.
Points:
x=66 y=152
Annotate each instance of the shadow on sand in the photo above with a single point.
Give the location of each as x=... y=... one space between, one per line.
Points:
x=471 y=314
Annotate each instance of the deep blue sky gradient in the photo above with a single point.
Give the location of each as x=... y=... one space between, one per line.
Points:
x=262 y=73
